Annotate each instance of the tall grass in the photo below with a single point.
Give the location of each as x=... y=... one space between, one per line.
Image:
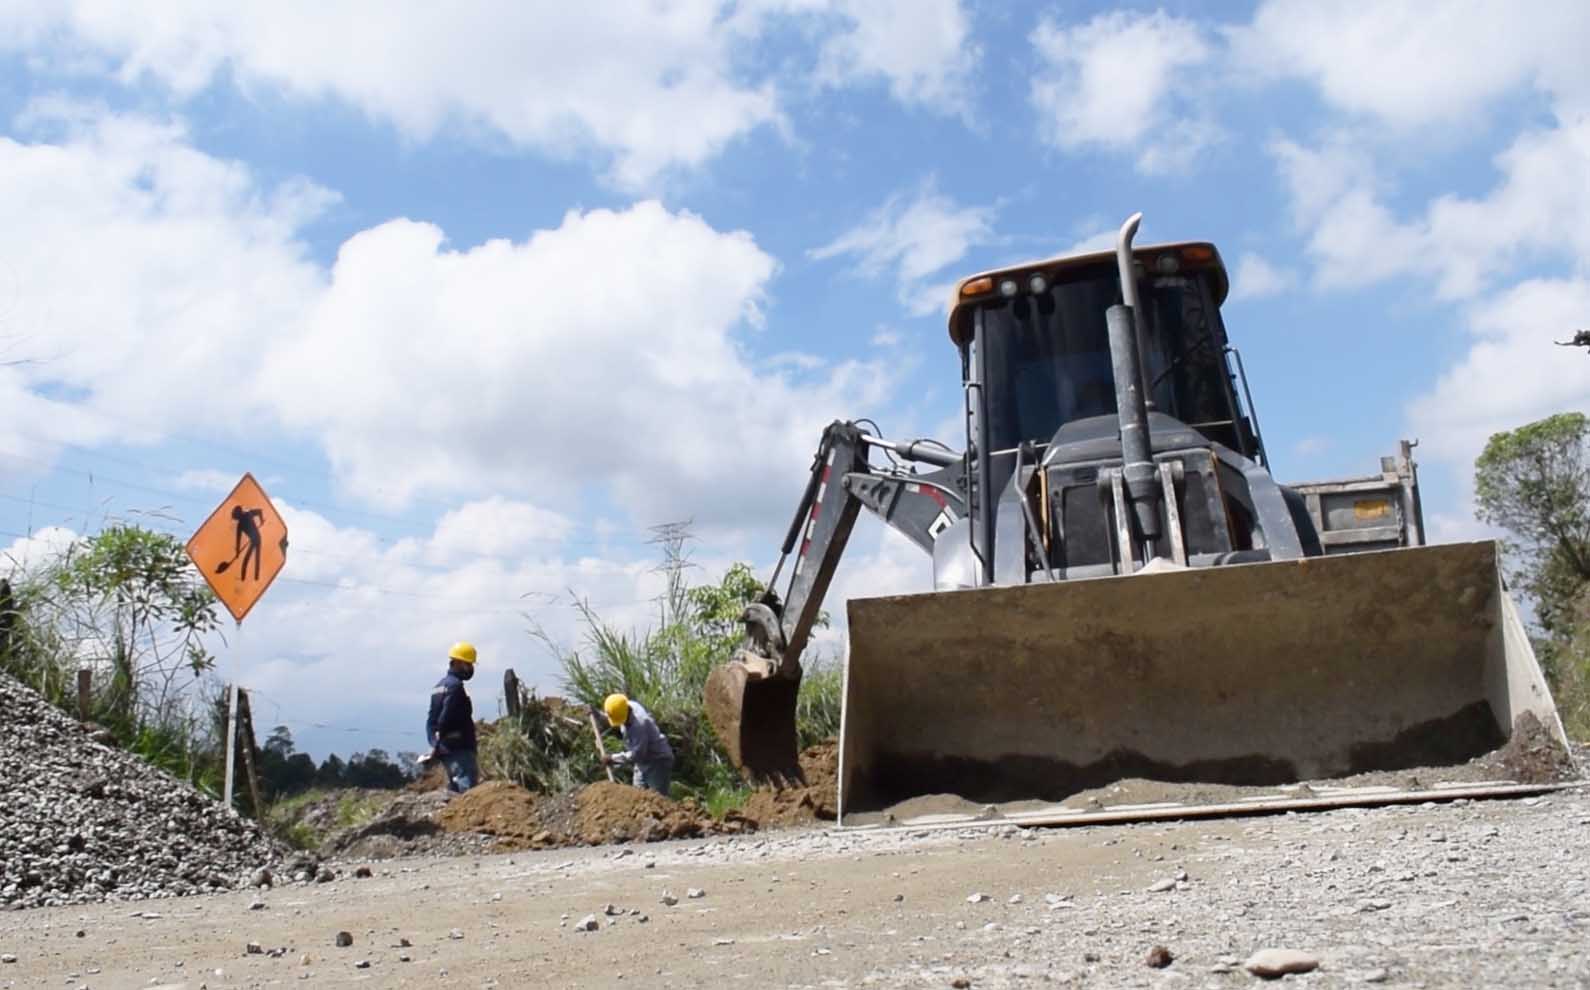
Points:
x=665 y=668
x=1568 y=661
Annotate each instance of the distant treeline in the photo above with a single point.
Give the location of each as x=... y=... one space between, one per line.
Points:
x=284 y=771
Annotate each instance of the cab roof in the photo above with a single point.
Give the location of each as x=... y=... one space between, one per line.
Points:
x=1188 y=256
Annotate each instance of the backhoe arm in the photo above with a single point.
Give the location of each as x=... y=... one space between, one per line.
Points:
x=751 y=700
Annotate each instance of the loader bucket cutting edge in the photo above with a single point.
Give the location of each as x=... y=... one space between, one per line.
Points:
x=1202 y=688
x=754 y=718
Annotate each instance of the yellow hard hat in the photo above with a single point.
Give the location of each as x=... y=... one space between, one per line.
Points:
x=462 y=652
x=617 y=708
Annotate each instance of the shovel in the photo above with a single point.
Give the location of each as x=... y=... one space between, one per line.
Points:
x=601 y=750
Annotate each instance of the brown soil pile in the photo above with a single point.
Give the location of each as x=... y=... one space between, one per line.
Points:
x=816 y=800
x=432 y=778
x=612 y=812
x=409 y=826
x=1533 y=755
x=600 y=813
x=496 y=808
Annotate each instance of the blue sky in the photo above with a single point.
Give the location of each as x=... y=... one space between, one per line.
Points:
x=481 y=296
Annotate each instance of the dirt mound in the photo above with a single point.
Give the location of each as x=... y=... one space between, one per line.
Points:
x=409 y=826
x=496 y=808
x=432 y=778
x=600 y=813
x=816 y=800
x=612 y=812
x=1533 y=754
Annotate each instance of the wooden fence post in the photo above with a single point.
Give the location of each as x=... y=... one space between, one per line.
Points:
x=510 y=691
x=246 y=727
x=85 y=693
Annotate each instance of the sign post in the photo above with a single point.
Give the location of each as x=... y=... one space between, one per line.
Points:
x=239 y=549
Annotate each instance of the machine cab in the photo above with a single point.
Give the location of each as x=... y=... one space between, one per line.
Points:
x=1036 y=352
x=1041 y=385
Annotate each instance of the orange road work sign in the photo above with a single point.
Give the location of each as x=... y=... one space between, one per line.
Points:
x=241 y=548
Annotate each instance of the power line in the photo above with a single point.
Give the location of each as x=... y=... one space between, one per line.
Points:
x=322 y=507
x=462 y=606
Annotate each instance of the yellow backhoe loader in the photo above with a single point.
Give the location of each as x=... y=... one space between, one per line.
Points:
x=1131 y=618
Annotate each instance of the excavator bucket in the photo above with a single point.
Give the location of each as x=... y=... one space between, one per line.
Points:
x=1381 y=677
x=753 y=715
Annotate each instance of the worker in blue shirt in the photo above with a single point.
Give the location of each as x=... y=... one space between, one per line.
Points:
x=450 y=727
x=645 y=747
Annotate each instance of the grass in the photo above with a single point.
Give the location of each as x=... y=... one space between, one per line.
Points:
x=286 y=818
x=354 y=810
x=720 y=802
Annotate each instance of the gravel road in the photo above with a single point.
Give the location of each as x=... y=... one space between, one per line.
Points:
x=1473 y=894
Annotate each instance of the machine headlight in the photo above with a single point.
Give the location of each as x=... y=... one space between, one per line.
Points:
x=1008 y=288
x=1037 y=284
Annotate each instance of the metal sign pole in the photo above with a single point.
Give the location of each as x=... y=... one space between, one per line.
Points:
x=231 y=739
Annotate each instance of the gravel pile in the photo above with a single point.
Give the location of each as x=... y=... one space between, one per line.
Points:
x=81 y=821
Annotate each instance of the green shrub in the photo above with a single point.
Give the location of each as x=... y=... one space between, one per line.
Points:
x=665 y=668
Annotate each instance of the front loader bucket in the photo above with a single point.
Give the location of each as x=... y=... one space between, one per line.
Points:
x=1201 y=691
x=754 y=718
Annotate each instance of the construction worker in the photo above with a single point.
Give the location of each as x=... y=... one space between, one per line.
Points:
x=645 y=747
x=450 y=728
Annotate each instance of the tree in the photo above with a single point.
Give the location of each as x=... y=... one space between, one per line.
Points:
x=332 y=772
x=137 y=591
x=280 y=742
x=1534 y=483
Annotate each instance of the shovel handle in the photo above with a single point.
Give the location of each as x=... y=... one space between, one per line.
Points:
x=596 y=732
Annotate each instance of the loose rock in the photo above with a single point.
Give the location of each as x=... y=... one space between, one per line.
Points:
x=587 y=924
x=344 y=939
x=94 y=849
x=1271 y=963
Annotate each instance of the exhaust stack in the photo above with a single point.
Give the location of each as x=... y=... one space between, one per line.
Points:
x=1138 y=473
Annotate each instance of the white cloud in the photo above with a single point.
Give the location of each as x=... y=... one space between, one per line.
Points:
x=604 y=352
x=26 y=553
x=499 y=526
x=1312 y=446
x=1256 y=278
x=206 y=480
x=914 y=236
x=1415 y=63
x=653 y=84
x=1512 y=260
x=922 y=48
x=1513 y=373
x=605 y=358
x=147 y=271
x=1539 y=209
x=1120 y=83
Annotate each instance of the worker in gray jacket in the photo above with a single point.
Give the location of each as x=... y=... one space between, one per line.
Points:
x=645 y=747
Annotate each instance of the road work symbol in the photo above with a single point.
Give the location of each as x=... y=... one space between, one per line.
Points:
x=248 y=521
x=241 y=547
